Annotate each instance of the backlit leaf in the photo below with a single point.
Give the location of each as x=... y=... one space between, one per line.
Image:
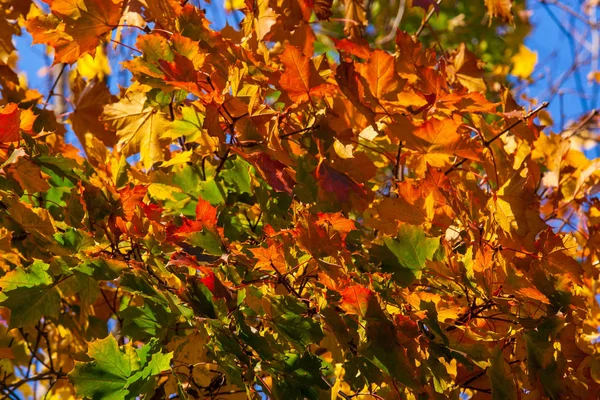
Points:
x=140 y=128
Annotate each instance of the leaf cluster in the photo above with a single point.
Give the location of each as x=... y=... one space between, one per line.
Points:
x=279 y=212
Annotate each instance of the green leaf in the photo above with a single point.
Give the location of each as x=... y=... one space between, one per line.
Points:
x=29 y=294
x=141 y=323
x=73 y=240
x=503 y=387
x=28 y=305
x=289 y=321
x=236 y=175
x=302 y=377
x=405 y=255
x=208 y=240
x=118 y=372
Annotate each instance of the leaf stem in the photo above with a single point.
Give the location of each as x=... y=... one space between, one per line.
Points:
x=427 y=18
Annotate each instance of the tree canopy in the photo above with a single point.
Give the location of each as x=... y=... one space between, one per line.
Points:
x=322 y=200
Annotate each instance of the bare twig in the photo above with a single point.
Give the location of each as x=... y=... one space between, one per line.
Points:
x=516 y=123
x=581 y=124
x=51 y=93
x=427 y=18
x=395 y=24
x=486 y=143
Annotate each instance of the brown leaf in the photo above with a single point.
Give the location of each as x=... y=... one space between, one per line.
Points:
x=89 y=99
x=323 y=9
x=356 y=18
x=30 y=176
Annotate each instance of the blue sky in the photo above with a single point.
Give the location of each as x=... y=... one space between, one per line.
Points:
x=555 y=57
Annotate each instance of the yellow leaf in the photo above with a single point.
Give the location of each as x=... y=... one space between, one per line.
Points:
x=90 y=66
x=339 y=378
x=523 y=62
x=231 y=5
x=162 y=192
x=343 y=151
x=180 y=158
x=141 y=128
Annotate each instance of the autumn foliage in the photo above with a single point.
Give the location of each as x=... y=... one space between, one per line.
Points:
x=286 y=210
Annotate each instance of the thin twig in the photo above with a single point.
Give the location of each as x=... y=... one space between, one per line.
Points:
x=222 y=163
x=427 y=18
x=51 y=92
x=572 y=12
x=286 y=135
x=516 y=123
x=395 y=24
x=398 y=168
x=583 y=123
x=126 y=46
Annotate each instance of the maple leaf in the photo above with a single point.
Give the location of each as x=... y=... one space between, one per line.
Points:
x=86 y=22
x=356 y=300
x=262 y=19
x=379 y=74
x=206 y=214
x=116 y=372
x=359 y=48
x=337 y=222
x=436 y=143
x=29 y=175
x=300 y=78
x=88 y=103
x=140 y=128
x=468 y=69
x=275 y=173
x=523 y=63
x=165 y=12
x=337 y=182
x=500 y=8
x=339 y=186
x=10 y=122
x=405 y=255
x=269 y=258
x=355 y=16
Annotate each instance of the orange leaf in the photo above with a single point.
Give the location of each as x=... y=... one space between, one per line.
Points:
x=84 y=24
x=206 y=214
x=359 y=48
x=500 y=8
x=355 y=16
x=437 y=143
x=379 y=74
x=534 y=294
x=323 y=9
x=337 y=222
x=356 y=299
x=269 y=258
x=300 y=79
